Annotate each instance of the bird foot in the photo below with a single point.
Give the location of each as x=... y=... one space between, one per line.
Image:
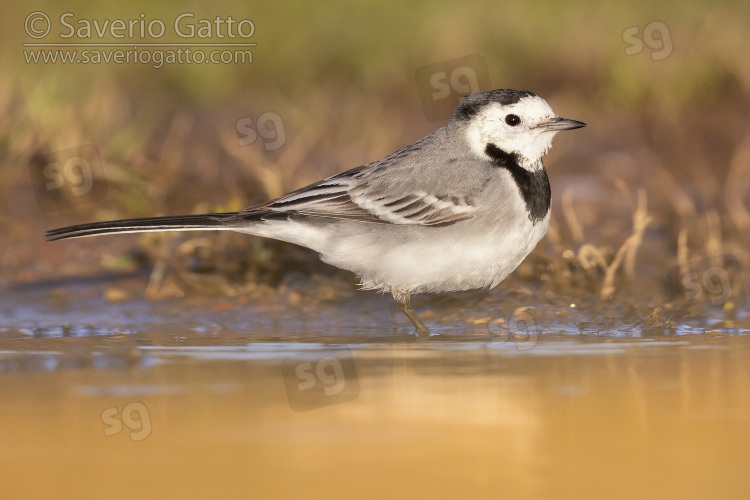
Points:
x=403 y=301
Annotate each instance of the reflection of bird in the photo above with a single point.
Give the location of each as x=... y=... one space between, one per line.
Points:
x=457 y=210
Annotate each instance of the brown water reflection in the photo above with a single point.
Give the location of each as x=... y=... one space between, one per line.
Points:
x=571 y=418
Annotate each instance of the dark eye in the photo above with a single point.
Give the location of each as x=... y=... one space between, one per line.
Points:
x=512 y=120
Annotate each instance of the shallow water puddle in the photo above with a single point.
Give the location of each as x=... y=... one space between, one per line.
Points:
x=137 y=398
x=336 y=413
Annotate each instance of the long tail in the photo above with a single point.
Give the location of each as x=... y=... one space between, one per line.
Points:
x=224 y=221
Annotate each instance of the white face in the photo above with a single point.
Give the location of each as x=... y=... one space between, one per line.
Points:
x=529 y=138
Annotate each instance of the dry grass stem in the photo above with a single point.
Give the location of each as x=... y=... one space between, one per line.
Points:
x=683 y=253
x=576 y=231
x=590 y=256
x=714 y=244
x=629 y=248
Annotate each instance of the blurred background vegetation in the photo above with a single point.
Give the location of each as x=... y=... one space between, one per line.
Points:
x=667 y=147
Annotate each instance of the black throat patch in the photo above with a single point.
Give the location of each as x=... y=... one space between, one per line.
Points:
x=534 y=186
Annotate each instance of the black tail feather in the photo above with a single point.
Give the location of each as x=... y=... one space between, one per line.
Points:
x=170 y=223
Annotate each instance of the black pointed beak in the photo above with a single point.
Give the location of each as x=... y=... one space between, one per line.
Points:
x=558 y=123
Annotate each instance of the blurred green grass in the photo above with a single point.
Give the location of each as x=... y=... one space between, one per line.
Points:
x=342 y=77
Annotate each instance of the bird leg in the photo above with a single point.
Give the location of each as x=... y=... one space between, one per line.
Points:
x=403 y=301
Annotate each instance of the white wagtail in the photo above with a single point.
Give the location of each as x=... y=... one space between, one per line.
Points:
x=457 y=210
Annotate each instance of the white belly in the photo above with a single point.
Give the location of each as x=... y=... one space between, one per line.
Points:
x=460 y=263
x=417 y=259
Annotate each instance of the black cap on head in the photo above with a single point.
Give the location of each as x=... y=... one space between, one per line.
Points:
x=472 y=103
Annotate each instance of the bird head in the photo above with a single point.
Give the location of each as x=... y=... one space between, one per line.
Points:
x=515 y=122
